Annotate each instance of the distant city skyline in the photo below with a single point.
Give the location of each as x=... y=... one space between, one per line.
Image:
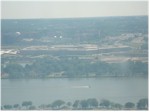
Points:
x=71 y=9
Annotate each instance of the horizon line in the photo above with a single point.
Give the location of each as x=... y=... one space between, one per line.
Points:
x=75 y=17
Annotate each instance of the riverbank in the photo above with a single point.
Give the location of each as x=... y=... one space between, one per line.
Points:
x=102 y=76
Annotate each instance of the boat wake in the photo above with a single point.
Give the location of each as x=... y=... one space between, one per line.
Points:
x=87 y=87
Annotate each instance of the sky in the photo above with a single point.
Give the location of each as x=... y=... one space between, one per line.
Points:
x=71 y=9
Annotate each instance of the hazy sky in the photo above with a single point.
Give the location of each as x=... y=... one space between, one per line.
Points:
x=66 y=9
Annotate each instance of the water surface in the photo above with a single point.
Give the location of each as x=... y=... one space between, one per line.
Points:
x=45 y=91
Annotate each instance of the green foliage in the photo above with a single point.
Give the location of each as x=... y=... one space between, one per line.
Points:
x=8 y=107
x=32 y=108
x=142 y=104
x=129 y=105
x=92 y=102
x=26 y=103
x=76 y=104
x=16 y=106
x=15 y=70
x=105 y=103
x=57 y=104
x=75 y=68
x=117 y=106
x=84 y=104
x=69 y=104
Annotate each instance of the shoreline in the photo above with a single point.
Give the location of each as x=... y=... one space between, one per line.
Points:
x=83 y=77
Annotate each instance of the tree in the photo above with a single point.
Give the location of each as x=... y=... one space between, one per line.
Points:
x=92 y=102
x=42 y=106
x=142 y=104
x=32 y=108
x=105 y=103
x=84 y=104
x=129 y=105
x=117 y=106
x=57 y=104
x=14 y=70
x=76 y=104
x=16 y=106
x=27 y=104
x=8 y=107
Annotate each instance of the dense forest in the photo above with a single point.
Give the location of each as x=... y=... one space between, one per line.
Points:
x=46 y=68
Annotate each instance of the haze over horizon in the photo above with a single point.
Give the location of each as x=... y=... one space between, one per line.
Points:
x=71 y=9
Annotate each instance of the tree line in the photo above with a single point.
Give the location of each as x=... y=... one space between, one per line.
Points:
x=86 y=104
x=44 y=68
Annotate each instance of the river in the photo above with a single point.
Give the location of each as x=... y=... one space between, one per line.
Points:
x=45 y=91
